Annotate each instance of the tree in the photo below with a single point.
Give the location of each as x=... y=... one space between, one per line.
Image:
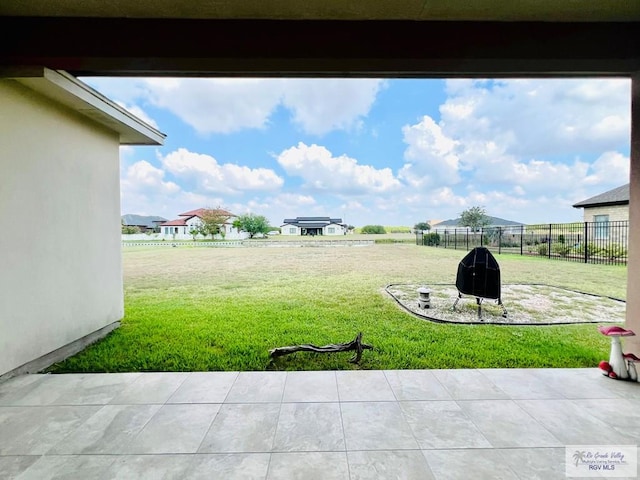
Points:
x=474 y=217
x=421 y=226
x=128 y=229
x=379 y=229
x=253 y=224
x=213 y=221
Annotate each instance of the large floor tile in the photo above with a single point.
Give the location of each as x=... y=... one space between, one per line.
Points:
x=468 y=385
x=505 y=424
x=308 y=466
x=34 y=430
x=389 y=465
x=578 y=382
x=473 y=464
x=204 y=387
x=376 y=426
x=108 y=431
x=68 y=467
x=363 y=385
x=442 y=424
x=536 y=463
x=520 y=384
x=572 y=425
x=15 y=389
x=622 y=414
x=242 y=428
x=230 y=466
x=176 y=428
x=257 y=387
x=149 y=467
x=311 y=387
x=152 y=387
x=76 y=389
x=12 y=466
x=305 y=427
x=416 y=385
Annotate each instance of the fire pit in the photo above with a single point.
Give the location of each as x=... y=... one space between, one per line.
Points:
x=479 y=276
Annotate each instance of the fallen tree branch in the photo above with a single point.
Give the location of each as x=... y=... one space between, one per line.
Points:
x=355 y=344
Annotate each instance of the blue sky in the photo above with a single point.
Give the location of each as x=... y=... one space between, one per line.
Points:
x=372 y=151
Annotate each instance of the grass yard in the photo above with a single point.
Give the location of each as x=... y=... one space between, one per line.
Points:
x=198 y=309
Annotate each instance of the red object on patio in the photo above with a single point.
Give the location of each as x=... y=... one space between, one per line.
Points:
x=615 y=330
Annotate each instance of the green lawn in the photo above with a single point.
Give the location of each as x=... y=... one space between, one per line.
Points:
x=198 y=309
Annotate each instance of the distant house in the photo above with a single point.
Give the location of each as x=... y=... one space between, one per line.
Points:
x=313 y=226
x=146 y=223
x=610 y=206
x=493 y=222
x=180 y=228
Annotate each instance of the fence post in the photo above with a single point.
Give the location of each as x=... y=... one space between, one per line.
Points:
x=549 y=243
x=455 y=238
x=499 y=240
x=467 y=238
x=481 y=236
x=584 y=244
x=521 y=238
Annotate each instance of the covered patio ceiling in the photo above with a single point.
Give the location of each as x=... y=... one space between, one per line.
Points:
x=382 y=38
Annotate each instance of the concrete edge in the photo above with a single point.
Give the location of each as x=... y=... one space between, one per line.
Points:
x=62 y=353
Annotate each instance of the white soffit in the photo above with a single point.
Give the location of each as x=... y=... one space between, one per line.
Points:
x=76 y=95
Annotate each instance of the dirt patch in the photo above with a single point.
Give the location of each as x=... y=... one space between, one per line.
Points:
x=525 y=304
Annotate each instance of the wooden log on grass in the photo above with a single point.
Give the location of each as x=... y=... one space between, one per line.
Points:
x=355 y=344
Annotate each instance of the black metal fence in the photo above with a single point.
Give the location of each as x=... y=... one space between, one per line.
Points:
x=587 y=242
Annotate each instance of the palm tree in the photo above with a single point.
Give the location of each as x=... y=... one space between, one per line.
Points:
x=578 y=456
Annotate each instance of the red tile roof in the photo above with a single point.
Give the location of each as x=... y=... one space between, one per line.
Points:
x=194 y=213
x=171 y=223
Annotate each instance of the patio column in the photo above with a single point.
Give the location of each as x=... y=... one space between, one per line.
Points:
x=632 y=344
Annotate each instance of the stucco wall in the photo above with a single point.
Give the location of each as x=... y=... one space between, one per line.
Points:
x=616 y=213
x=61 y=273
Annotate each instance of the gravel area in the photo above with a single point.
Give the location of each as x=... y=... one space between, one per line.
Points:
x=526 y=304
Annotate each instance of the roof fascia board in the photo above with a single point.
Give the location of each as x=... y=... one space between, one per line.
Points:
x=67 y=90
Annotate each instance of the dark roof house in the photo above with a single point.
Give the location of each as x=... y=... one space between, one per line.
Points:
x=144 y=222
x=493 y=222
x=616 y=196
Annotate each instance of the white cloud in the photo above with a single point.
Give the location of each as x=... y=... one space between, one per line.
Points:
x=322 y=171
x=322 y=105
x=219 y=105
x=144 y=177
x=611 y=168
x=430 y=155
x=539 y=117
x=210 y=176
x=227 y=105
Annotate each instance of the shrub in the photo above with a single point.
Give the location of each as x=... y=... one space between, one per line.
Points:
x=614 y=251
x=543 y=249
x=431 y=239
x=378 y=229
x=561 y=249
x=592 y=249
x=130 y=229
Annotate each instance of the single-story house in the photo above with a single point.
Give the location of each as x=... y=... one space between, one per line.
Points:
x=181 y=228
x=493 y=222
x=146 y=223
x=610 y=206
x=60 y=164
x=313 y=226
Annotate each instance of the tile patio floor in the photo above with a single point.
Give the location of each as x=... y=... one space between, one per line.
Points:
x=406 y=424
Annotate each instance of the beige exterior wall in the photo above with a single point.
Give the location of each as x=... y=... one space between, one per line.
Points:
x=61 y=273
x=616 y=213
x=632 y=344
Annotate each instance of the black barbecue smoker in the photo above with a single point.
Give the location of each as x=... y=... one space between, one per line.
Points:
x=479 y=276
